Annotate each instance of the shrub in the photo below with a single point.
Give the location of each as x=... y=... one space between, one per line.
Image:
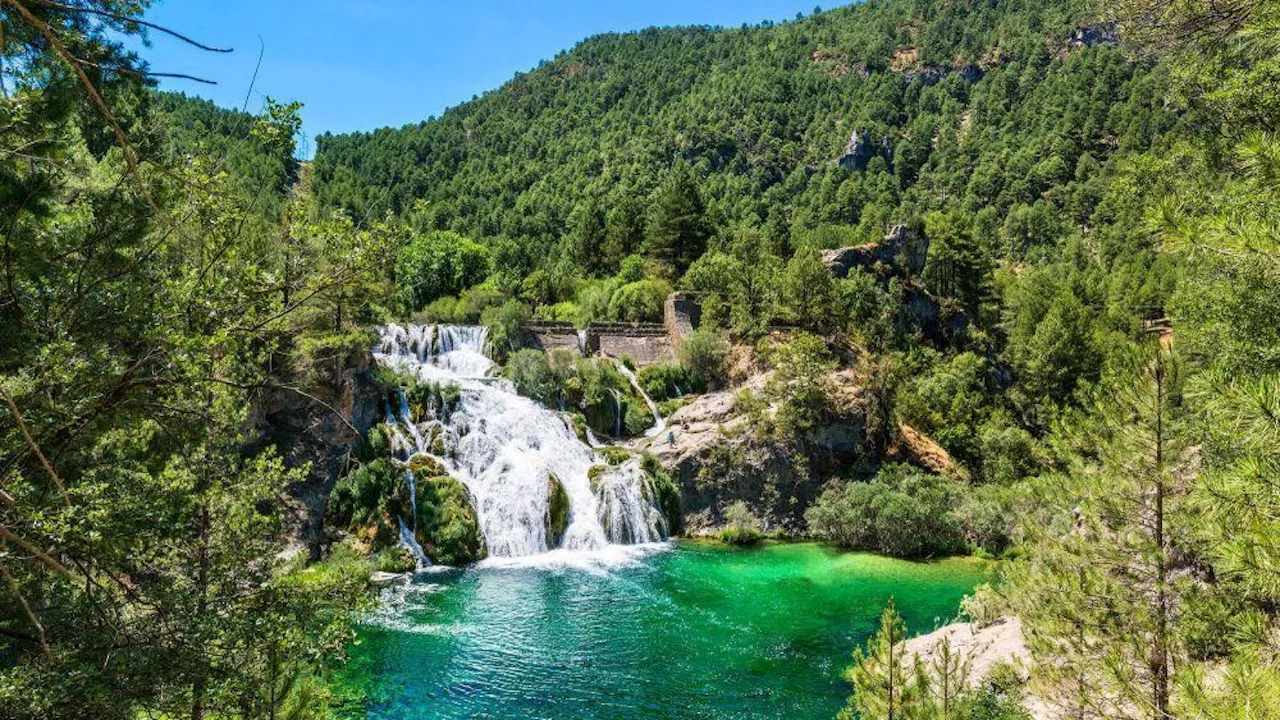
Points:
x=640 y=301
x=704 y=355
x=534 y=376
x=741 y=526
x=663 y=382
x=903 y=512
x=438 y=264
x=799 y=385
x=506 y=325
x=637 y=418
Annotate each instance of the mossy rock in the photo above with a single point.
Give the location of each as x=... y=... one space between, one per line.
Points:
x=594 y=474
x=667 y=489
x=447 y=527
x=615 y=456
x=424 y=466
x=435 y=441
x=557 y=511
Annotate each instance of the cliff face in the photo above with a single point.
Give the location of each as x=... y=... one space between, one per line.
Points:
x=319 y=425
x=719 y=456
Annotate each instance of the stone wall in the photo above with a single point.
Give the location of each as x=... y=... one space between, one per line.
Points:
x=682 y=314
x=556 y=336
x=645 y=344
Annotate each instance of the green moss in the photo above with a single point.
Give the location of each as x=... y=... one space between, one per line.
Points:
x=448 y=528
x=557 y=511
x=424 y=466
x=667 y=490
x=615 y=456
x=594 y=474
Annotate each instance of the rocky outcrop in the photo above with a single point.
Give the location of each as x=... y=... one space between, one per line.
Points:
x=719 y=454
x=1106 y=34
x=902 y=248
x=318 y=425
x=861 y=149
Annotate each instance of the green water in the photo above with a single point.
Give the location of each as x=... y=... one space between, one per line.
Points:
x=699 y=631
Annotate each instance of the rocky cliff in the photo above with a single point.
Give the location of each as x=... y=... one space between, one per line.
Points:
x=317 y=423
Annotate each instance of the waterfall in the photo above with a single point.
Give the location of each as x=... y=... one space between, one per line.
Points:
x=659 y=423
x=582 y=342
x=617 y=415
x=627 y=508
x=505 y=449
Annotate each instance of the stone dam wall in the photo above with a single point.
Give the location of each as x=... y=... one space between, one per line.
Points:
x=645 y=344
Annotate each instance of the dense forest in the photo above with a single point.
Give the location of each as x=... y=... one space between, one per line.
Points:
x=1071 y=216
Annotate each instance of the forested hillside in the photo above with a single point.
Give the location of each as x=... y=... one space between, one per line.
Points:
x=1047 y=338
x=1016 y=111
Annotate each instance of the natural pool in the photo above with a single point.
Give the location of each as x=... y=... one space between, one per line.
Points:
x=689 y=631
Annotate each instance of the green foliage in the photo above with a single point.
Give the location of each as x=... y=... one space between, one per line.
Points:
x=677 y=229
x=447 y=527
x=640 y=301
x=506 y=325
x=741 y=525
x=436 y=265
x=902 y=512
x=667 y=490
x=799 y=384
x=882 y=683
x=663 y=382
x=557 y=511
x=704 y=357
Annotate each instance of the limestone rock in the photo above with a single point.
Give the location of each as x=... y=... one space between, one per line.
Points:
x=322 y=430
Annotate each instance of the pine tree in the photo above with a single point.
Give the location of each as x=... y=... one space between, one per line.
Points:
x=883 y=687
x=1097 y=596
x=678 y=230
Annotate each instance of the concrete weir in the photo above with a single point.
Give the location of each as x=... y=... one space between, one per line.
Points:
x=645 y=343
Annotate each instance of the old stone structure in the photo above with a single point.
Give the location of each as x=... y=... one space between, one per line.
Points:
x=682 y=314
x=645 y=344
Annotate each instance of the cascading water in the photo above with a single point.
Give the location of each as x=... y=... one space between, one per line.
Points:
x=509 y=451
x=659 y=422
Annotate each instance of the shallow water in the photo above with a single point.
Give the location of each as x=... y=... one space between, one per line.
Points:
x=686 y=631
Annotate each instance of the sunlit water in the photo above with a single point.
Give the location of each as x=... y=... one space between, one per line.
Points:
x=690 y=631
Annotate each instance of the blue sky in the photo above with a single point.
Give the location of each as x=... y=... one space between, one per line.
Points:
x=365 y=64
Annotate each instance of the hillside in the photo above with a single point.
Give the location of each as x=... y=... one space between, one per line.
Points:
x=955 y=105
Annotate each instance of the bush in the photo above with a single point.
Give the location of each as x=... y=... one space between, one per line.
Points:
x=506 y=325
x=741 y=526
x=663 y=382
x=535 y=377
x=903 y=512
x=640 y=301
x=438 y=264
x=704 y=355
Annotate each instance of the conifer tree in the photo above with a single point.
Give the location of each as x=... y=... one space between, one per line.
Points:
x=678 y=230
x=883 y=686
x=1098 y=596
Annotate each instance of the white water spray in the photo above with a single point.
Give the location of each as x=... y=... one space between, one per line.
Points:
x=506 y=449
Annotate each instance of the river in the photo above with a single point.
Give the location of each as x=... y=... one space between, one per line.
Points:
x=683 y=630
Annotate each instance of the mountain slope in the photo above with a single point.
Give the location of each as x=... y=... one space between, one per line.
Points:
x=956 y=105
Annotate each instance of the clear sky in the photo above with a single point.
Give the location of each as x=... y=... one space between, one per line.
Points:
x=365 y=64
